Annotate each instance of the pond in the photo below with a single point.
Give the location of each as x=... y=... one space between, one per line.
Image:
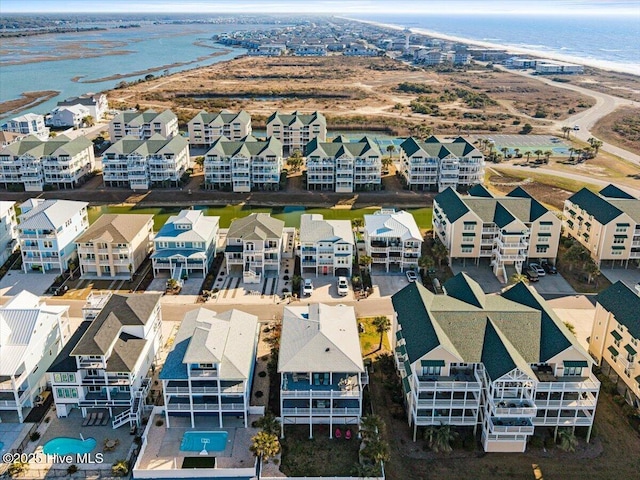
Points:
x=289 y=214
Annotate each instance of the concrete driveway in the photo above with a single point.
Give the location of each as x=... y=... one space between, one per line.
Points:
x=629 y=276
x=325 y=290
x=387 y=285
x=553 y=285
x=15 y=281
x=482 y=273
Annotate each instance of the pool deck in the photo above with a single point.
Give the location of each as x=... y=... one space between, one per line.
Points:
x=163 y=451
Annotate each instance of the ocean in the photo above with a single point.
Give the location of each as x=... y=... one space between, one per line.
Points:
x=609 y=42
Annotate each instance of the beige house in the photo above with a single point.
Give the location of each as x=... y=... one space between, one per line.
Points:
x=297 y=129
x=205 y=128
x=615 y=338
x=504 y=362
x=143 y=125
x=505 y=230
x=606 y=223
x=115 y=245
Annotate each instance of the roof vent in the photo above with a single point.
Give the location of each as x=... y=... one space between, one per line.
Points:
x=327 y=349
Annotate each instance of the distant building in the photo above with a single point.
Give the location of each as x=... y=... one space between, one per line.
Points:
x=143 y=125
x=47 y=233
x=8 y=230
x=392 y=239
x=31 y=335
x=429 y=57
x=521 y=63
x=205 y=128
x=267 y=50
x=326 y=246
x=310 y=50
x=358 y=50
x=71 y=116
x=142 y=164
x=96 y=103
x=297 y=129
x=59 y=162
x=342 y=166
x=7 y=138
x=548 y=68
x=27 y=124
x=115 y=245
x=243 y=166
x=607 y=224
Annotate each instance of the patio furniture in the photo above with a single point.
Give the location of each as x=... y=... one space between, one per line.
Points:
x=338 y=433
x=99 y=418
x=110 y=445
x=105 y=420
x=86 y=420
x=347 y=434
x=92 y=420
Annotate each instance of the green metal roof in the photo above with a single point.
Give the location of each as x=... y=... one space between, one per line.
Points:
x=399 y=335
x=630 y=349
x=407 y=368
x=616 y=335
x=611 y=191
x=595 y=205
x=451 y=203
x=479 y=191
x=465 y=290
x=432 y=363
x=624 y=304
x=406 y=385
x=575 y=363
x=613 y=351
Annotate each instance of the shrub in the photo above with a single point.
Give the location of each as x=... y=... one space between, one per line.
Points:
x=536 y=441
x=469 y=443
x=120 y=468
x=17 y=468
x=71 y=469
x=259 y=394
x=159 y=422
x=549 y=443
x=34 y=437
x=262 y=374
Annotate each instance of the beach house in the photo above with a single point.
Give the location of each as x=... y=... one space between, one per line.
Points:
x=392 y=240
x=342 y=166
x=326 y=246
x=27 y=124
x=185 y=245
x=322 y=375
x=297 y=129
x=106 y=367
x=47 y=233
x=143 y=125
x=209 y=370
x=606 y=223
x=206 y=127
x=505 y=231
x=31 y=335
x=254 y=247
x=504 y=362
x=115 y=245
x=96 y=104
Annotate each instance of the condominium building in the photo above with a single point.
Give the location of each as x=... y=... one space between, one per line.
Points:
x=31 y=335
x=244 y=165
x=254 y=246
x=606 y=223
x=504 y=362
x=392 y=239
x=320 y=365
x=186 y=244
x=106 y=366
x=267 y=50
x=342 y=166
x=615 y=338
x=96 y=104
x=115 y=245
x=326 y=246
x=143 y=164
x=8 y=230
x=143 y=125
x=305 y=50
x=506 y=230
x=210 y=369
x=206 y=127
x=32 y=164
x=47 y=232
x=436 y=165
x=27 y=124
x=297 y=129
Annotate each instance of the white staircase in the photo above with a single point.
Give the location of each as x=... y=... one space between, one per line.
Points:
x=134 y=414
x=250 y=276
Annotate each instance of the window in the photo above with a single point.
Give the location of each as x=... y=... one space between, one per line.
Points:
x=67 y=392
x=163 y=244
x=180 y=244
x=64 y=377
x=541 y=248
x=431 y=370
x=469 y=226
x=543 y=239
x=572 y=371
x=619 y=239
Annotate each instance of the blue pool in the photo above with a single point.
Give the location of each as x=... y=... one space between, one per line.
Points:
x=69 y=446
x=209 y=441
x=1 y=446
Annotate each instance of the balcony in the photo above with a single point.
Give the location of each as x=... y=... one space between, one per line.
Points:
x=447 y=403
x=550 y=383
x=467 y=380
x=511 y=425
x=344 y=385
x=204 y=406
x=91 y=363
x=440 y=419
x=198 y=373
x=305 y=412
x=512 y=408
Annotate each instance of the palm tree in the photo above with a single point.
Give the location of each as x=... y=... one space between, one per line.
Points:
x=565 y=132
x=578 y=152
x=596 y=144
x=528 y=155
x=519 y=277
x=371 y=427
x=365 y=261
x=387 y=161
x=376 y=450
x=538 y=153
x=587 y=152
x=439 y=252
x=120 y=468
x=571 y=152
x=517 y=152
x=390 y=150
x=592 y=270
x=426 y=262
x=88 y=121
x=443 y=438
x=17 y=468
x=200 y=162
x=504 y=151
x=269 y=423
x=265 y=445
x=295 y=160
x=568 y=440
x=357 y=224
x=383 y=325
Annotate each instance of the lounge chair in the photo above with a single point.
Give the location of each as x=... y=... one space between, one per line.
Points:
x=92 y=420
x=347 y=434
x=99 y=418
x=338 y=433
x=85 y=422
x=105 y=420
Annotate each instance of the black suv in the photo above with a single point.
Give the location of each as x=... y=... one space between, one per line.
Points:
x=550 y=269
x=532 y=275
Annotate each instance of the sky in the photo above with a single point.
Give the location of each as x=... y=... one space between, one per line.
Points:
x=344 y=7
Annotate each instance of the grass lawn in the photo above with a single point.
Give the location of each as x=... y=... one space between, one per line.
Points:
x=320 y=456
x=370 y=339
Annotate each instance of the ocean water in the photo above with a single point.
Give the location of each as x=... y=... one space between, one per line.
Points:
x=611 y=42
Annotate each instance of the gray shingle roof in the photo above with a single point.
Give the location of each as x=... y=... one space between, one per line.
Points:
x=257 y=226
x=64 y=362
x=624 y=304
x=115 y=228
x=249 y=146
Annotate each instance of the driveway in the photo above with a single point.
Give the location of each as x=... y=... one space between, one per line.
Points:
x=553 y=285
x=578 y=311
x=15 y=281
x=629 y=276
x=387 y=285
x=325 y=290
x=482 y=273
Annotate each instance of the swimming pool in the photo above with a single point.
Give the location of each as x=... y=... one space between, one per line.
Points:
x=69 y=446
x=1 y=446
x=213 y=441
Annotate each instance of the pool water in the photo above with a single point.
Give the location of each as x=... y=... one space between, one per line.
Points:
x=192 y=441
x=69 y=446
x=1 y=446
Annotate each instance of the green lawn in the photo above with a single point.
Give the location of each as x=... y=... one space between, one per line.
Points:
x=370 y=339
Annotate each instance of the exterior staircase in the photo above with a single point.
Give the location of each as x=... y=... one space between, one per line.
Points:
x=134 y=414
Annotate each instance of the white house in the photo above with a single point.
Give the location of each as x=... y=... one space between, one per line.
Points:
x=8 y=230
x=69 y=116
x=320 y=365
x=47 y=233
x=209 y=370
x=186 y=244
x=96 y=104
x=28 y=124
x=31 y=335
x=392 y=239
x=143 y=125
x=115 y=245
x=206 y=127
x=267 y=50
x=107 y=364
x=326 y=246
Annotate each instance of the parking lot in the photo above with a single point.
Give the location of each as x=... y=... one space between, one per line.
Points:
x=629 y=276
x=482 y=273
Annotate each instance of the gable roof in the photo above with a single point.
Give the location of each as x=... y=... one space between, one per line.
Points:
x=222 y=117
x=257 y=226
x=48 y=214
x=465 y=289
x=624 y=304
x=451 y=204
x=313 y=228
x=320 y=338
x=479 y=191
x=392 y=224
x=611 y=191
x=602 y=210
x=115 y=228
x=289 y=119
x=249 y=146
x=227 y=339
x=64 y=362
x=202 y=227
x=338 y=148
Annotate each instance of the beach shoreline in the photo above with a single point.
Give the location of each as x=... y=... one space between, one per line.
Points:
x=598 y=64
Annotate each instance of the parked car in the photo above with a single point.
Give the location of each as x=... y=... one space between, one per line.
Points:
x=412 y=276
x=538 y=269
x=576 y=127
x=343 y=286
x=550 y=269
x=307 y=289
x=532 y=275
